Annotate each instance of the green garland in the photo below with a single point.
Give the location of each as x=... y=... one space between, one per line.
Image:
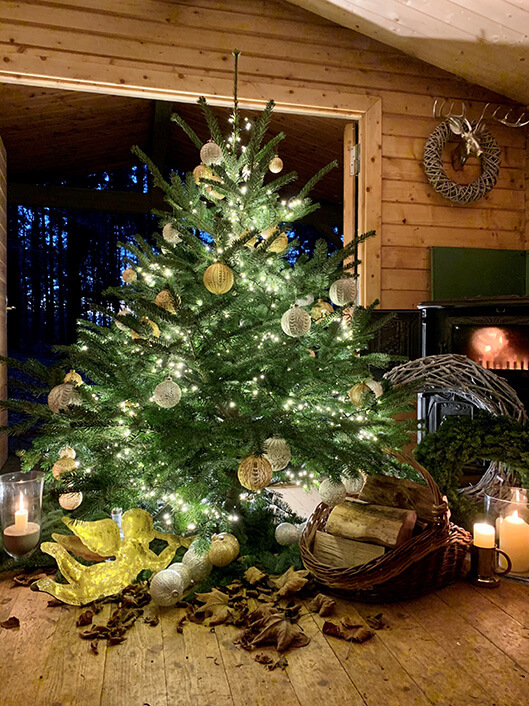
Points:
x=462 y=440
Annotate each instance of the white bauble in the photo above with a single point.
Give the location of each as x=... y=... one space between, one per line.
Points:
x=70 y=501
x=121 y=326
x=307 y=300
x=353 y=485
x=167 y=394
x=171 y=235
x=343 y=291
x=167 y=588
x=199 y=565
x=276 y=165
x=287 y=534
x=211 y=153
x=183 y=572
x=296 y=322
x=63 y=395
x=67 y=452
x=332 y=493
x=277 y=451
x=375 y=387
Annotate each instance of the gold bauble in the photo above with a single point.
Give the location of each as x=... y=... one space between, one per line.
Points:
x=276 y=165
x=279 y=244
x=201 y=172
x=269 y=232
x=165 y=300
x=70 y=501
x=63 y=465
x=74 y=378
x=320 y=310
x=357 y=391
x=218 y=278
x=224 y=549
x=155 y=329
x=67 y=452
x=255 y=472
x=129 y=275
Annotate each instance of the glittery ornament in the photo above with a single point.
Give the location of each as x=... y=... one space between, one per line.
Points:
x=307 y=300
x=212 y=192
x=224 y=549
x=121 y=326
x=332 y=493
x=343 y=291
x=287 y=534
x=165 y=300
x=129 y=275
x=353 y=484
x=218 y=278
x=269 y=232
x=198 y=564
x=295 y=322
x=171 y=235
x=320 y=310
x=167 y=588
x=211 y=153
x=61 y=396
x=277 y=451
x=67 y=452
x=276 y=165
x=201 y=172
x=167 y=394
x=70 y=501
x=155 y=329
x=183 y=572
x=102 y=537
x=74 y=378
x=255 y=472
x=63 y=465
x=279 y=244
x=357 y=391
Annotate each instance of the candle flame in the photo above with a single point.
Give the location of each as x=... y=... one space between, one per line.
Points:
x=21 y=502
x=515 y=514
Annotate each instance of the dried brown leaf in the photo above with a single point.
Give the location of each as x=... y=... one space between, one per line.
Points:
x=322 y=604
x=215 y=607
x=376 y=622
x=254 y=575
x=271 y=629
x=350 y=634
x=151 y=620
x=85 y=619
x=94 y=648
x=54 y=602
x=290 y=582
x=11 y=623
x=25 y=579
x=180 y=625
x=263 y=659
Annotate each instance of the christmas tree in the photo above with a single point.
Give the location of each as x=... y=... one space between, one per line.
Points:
x=226 y=369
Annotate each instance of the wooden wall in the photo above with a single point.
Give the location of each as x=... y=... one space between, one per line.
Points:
x=3 y=293
x=141 y=46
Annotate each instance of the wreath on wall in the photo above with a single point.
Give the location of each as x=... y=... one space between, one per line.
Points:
x=440 y=181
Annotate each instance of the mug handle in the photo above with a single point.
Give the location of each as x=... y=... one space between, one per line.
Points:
x=507 y=559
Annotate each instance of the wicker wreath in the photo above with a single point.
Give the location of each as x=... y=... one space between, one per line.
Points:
x=461 y=193
x=471 y=383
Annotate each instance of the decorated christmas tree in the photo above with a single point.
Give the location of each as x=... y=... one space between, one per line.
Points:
x=233 y=362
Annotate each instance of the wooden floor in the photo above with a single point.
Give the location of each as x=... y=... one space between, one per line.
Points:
x=460 y=646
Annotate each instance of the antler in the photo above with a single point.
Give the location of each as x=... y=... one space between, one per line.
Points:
x=482 y=117
x=506 y=120
x=450 y=114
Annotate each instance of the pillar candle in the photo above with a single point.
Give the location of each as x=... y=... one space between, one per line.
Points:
x=484 y=535
x=514 y=541
x=21 y=516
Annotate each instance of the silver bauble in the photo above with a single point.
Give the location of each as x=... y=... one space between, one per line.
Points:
x=198 y=564
x=296 y=322
x=167 y=394
x=167 y=588
x=307 y=300
x=121 y=326
x=287 y=534
x=171 y=235
x=183 y=572
x=211 y=153
x=343 y=291
x=63 y=395
x=353 y=485
x=332 y=493
x=277 y=451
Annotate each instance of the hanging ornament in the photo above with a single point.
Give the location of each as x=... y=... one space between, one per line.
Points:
x=353 y=484
x=167 y=394
x=307 y=300
x=343 y=291
x=357 y=391
x=183 y=572
x=201 y=172
x=311 y=352
x=295 y=322
x=155 y=329
x=74 y=378
x=255 y=472
x=332 y=493
x=67 y=452
x=218 y=278
x=211 y=153
x=277 y=452
x=211 y=191
x=224 y=549
x=167 y=588
x=171 y=235
x=198 y=564
x=129 y=275
x=70 y=501
x=279 y=244
x=276 y=165
x=347 y=315
x=63 y=465
x=320 y=310
x=62 y=396
x=165 y=300
x=121 y=326
x=269 y=232
x=287 y=534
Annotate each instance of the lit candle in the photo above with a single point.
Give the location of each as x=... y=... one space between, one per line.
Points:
x=484 y=535
x=514 y=541
x=21 y=516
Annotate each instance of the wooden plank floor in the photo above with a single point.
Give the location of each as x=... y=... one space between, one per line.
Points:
x=457 y=647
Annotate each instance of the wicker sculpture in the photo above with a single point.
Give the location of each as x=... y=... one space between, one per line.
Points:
x=471 y=383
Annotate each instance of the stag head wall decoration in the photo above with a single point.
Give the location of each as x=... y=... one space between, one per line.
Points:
x=471 y=134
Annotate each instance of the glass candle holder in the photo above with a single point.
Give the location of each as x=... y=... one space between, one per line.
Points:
x=510 y=516
x=21 y=512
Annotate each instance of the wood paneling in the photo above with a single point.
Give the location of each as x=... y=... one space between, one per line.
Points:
x=176 y=50
x=3 y=293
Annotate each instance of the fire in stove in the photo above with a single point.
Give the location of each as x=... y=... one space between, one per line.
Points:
x=497 y=348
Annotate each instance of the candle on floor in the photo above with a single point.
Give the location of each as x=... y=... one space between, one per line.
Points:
x=21 y=516
x=514 y=541
x=484 y=535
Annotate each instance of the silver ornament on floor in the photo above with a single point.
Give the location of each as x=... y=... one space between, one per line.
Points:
x=184 y=573
x=287 y=534
x=167 y=588
x=198 y=564
x=167 y=394
x=278 y=453
x=332 y=493
x=296 y=322
x=171 y=235
x=343 y=291
x=62 y=396
x=211 y=153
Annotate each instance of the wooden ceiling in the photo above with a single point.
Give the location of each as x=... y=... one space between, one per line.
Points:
x=483 y=41
x=49 y=133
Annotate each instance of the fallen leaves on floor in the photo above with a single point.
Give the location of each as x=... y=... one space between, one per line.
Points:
x=270 y=663
x=85 y=618
x=291 y=582
x=26 y=578
x=347 y=631
x=267 y=626
x=376 y=622
x=10 y=623
x=322 y=604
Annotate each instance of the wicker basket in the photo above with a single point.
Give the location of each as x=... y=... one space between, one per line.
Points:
x=427 y=562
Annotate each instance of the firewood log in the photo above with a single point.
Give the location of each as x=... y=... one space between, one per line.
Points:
x=387 y=526
x=339 y=552
x=397 y=492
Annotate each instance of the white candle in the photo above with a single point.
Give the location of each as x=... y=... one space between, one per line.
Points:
x=484 y=535
x=21 y=516
x=514 y=541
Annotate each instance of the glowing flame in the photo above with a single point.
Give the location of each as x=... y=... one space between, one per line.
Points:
x=21 y=502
